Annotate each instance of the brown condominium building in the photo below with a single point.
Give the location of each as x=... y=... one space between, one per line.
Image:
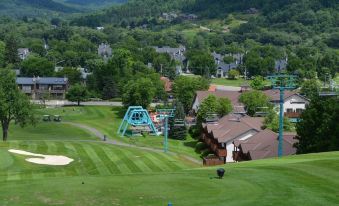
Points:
x=237 y=138
x=43 y=87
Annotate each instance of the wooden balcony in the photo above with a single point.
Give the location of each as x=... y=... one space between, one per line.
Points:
x=221 y=152
x=212 y=161
x=42 y=91
x=292 y=114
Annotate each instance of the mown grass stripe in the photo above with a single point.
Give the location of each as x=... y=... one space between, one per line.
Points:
x=138 y=160
x=103 y=170
x=161 y=162
x=124 y=158
x=145 y=157
x=51 y=147
x=68 y=169
x=116 y=160
x=108 y=163
x=79 y=167
x=172 y=161
x=87 y=162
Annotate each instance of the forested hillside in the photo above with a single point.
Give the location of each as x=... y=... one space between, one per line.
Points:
x=98 y=2
x=19 y=8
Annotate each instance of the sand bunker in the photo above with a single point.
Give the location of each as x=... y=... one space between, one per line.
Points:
x=44 y=159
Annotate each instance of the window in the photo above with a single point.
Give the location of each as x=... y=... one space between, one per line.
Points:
x=43 y=87
x=299 y=111
x=27 y=88
x=289 y=110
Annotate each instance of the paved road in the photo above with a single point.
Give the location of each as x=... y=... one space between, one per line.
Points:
x=68 y=103
x=98 y=134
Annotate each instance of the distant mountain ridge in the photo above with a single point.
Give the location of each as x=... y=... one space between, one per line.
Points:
x=86 y=2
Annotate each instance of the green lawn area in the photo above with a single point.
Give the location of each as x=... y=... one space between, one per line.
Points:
x=107 y=120
x=336 y=78
x=227 y=82
x=49 y=131
x=108 y=175
x=103 y=174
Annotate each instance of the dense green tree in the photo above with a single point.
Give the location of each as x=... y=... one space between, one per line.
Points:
x=184 y=89
x=310 y=88
x=110 y=89
x=202 y=63
x=208 y=105
x=138 y=92
x=319 y=126
x=73 y=75
x=228 y=59
x=254 y=100
x=2 y=53
x=212 y=104
x=177 y=130
x=11 y=50
x=233 y=74
x=37 y=66
x=225 y=106
x=258 y=83
x=272 y=122
x=14 y=105
x=77 y=93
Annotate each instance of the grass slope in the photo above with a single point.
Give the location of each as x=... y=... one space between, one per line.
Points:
x=298 y=180
x=107 y=120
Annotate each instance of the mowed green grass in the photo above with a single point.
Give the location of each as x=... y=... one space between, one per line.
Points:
x=297 y=180
x=49 y=131
x=107 y=120
x=90 y=159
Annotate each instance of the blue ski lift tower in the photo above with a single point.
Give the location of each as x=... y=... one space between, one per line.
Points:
x=282 y=82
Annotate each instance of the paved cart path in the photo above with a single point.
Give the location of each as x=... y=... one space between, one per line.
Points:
x=100 y=135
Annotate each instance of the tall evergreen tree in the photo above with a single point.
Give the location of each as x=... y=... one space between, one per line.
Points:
x=11 y=50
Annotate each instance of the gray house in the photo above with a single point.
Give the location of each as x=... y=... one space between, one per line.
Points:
x=222 y=67
x=177 y=54
x=280 y=65
x=105 y=51
x=40 y=87
x=23 y=53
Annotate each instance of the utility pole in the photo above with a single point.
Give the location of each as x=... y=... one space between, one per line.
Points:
x=282 y=83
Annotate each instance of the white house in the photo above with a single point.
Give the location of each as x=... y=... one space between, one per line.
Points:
x=294 y=103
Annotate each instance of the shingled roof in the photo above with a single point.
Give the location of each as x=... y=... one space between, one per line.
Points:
x=265 y=145
x=231 y=95
x=228 y=128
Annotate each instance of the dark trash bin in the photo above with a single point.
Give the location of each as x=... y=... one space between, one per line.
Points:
x=220 y=173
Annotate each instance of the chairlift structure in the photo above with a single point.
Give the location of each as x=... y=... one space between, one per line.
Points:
x=136 y=116
x=164 y=114
x=261 y=112
x=282 y=82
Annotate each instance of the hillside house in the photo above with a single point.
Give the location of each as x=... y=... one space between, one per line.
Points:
x=23 y=53
x=177 y=54
x=40 y=87
x=105 y=51
x=294 y=103
x=222 y=67
x=220 y=135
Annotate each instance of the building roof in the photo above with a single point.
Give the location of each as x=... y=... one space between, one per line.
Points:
x=265 y=145
x=176 y=53
x=274 y=94
x=231 y=95
x=41 y=80
x=228 y=128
